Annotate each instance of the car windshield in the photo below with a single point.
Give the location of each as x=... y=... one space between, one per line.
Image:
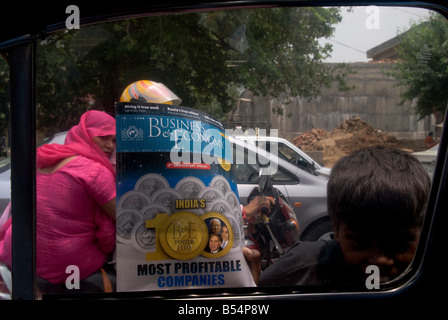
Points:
x=4 y=162
x=329 y=80
x=435 y=148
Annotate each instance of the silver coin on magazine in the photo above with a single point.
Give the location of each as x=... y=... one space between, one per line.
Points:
x=126 y=220
x=150 y=183
x=190 y=187
x=197 y=211
x=237 y=231
x=133 y=199
x=232 y=200
x=221 y=183
x=167 y=197
x=151 y=210
x=143 y=239
x=219 y=205
x=210 y=194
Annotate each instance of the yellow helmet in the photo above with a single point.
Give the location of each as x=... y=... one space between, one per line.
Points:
x=149 y=91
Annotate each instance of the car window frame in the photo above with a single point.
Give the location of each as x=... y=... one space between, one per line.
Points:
x=292 y=181
x=257 y=153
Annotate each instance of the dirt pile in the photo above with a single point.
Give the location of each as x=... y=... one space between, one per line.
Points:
x=349 y=136
x=307 y=139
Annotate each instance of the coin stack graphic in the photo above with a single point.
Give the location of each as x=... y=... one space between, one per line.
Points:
x=153 y=195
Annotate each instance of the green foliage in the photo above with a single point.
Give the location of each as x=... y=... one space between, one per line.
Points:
x=423 y=66
x=60 y=100
x=205 y=58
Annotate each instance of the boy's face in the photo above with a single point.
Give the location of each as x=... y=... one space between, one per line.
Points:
x=392 y=254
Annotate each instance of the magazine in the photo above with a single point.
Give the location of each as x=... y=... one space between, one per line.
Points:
x=179 y=222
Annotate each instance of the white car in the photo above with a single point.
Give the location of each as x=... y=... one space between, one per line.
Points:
x=428 y=159
x=5 y=171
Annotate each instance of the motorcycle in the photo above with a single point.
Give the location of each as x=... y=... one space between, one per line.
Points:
x=275 y=228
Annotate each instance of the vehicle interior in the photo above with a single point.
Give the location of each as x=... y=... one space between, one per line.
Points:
x=332 y=77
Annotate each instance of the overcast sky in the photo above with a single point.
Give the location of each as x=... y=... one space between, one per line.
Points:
x=366 y=27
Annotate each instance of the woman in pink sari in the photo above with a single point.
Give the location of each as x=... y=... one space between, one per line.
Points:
x=75 y=204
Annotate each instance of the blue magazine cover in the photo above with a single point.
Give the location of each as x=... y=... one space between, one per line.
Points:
x=179 y=222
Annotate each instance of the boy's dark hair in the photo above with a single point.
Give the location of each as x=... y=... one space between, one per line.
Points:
x=378 y=189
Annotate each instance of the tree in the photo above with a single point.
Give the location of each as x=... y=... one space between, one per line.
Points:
x=60 y=101
x=205 y=58
x=422 y=68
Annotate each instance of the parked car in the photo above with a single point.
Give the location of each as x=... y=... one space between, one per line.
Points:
x=428 y=158
x=5 y=183
x=5 y=170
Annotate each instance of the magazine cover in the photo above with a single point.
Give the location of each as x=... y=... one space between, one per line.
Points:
x=179 y=222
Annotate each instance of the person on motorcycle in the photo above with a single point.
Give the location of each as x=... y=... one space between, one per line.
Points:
x=250 y=211
x=376 y=200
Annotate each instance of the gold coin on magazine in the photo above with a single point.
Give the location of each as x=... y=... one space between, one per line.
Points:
x=183 y=235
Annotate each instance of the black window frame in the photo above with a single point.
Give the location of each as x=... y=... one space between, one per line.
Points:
x=21 y=51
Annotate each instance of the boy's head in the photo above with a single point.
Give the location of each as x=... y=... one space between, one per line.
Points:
x=376 y=199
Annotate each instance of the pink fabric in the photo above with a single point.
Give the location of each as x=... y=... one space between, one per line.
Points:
x=72 y=229
x=79 y=141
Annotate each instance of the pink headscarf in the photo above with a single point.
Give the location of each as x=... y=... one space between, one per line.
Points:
x=79 y=141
